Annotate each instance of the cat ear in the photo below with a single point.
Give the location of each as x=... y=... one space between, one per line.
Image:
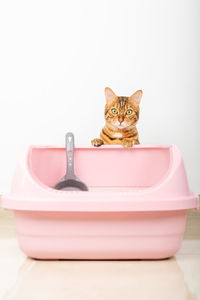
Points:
x=136 y=96
x=110 y=95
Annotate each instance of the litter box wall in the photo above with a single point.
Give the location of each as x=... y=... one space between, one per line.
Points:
x=145 y=221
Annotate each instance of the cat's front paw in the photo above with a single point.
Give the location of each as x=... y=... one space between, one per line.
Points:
x=97 y=142
x=127 y=143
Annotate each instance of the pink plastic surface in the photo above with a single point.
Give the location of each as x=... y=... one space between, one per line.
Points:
x=135 y=208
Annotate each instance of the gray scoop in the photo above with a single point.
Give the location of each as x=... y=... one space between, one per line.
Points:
x=70 y=182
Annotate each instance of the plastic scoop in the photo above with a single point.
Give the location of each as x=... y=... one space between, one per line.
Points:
x=70 y=182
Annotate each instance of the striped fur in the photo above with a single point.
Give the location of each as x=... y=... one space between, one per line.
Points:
x=120 y=128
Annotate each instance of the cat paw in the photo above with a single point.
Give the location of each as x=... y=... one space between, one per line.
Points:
x=97 y=142
x=127 y=143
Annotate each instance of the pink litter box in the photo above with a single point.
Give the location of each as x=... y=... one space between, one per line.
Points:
x=135 y=208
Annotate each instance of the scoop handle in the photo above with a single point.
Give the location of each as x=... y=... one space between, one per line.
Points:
x=69 y=143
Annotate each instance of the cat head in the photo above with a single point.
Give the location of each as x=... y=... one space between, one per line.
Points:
x=122 y=112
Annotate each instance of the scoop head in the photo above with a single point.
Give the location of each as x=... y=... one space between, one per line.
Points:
x=71 y=185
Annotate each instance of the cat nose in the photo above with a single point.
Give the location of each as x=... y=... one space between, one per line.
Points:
x=120 y=121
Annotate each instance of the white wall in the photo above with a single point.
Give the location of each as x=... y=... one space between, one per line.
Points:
x=56 y=57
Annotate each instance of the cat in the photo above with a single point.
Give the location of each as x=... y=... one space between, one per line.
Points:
x=121 y=115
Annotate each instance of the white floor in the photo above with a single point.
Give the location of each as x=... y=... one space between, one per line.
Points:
x=26 y=279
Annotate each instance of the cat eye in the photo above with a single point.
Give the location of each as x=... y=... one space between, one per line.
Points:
x=114 y=111
x=129 y=112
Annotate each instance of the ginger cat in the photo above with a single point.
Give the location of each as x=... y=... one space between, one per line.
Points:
x=121 y=116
